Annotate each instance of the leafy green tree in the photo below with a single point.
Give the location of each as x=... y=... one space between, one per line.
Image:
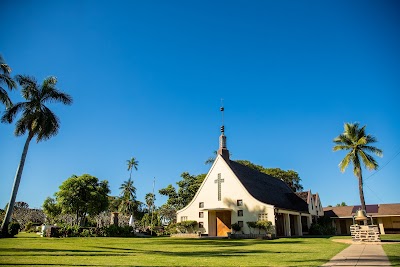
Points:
x=5 y=78
x=36 y=120
x=51 y=209
x=167 y=213
x=211 y=159
x=187 y=188
x=290 y=177
x=132 y=164
x=357 y=143
x=343 y=204
x=83 y=195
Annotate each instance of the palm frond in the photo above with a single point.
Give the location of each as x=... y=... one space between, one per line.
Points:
x=343 y=139
x=5 y=78
x=374 y=150
x=341 y=147
x=4 y=98
x=48 y=125
x=345 y=162
x=368 y=161
x=12 y=112
x=30 y=88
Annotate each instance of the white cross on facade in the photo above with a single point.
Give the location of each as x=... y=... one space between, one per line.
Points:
x=219 y=181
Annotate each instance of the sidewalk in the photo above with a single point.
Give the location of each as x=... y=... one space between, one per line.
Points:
x=360 y=255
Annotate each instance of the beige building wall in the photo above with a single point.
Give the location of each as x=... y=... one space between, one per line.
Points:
x=231 y=191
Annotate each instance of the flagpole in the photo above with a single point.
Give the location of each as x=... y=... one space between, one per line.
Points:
x=152 y=211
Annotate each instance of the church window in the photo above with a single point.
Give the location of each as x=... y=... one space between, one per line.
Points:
x=184 y=218
x=240 y=213
x=201 y=214
x=239 y=202
x=201 y=204
x=263 y=217
x=201 y=225
x=240 y=223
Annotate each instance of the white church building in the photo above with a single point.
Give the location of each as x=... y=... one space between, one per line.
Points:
x=234 y=193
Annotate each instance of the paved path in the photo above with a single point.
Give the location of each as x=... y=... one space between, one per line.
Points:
x=360 y=255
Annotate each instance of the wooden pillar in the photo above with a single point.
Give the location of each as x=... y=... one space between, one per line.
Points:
x=299 y=225
x=381 y=226
x=287 y=224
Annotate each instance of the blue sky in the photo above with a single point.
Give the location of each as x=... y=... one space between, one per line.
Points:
x=147 y=78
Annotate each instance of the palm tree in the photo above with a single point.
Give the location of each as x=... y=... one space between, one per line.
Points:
x=357 y=143
x=36 y=120
x=132 y=163
x=150 y=198
x=127 y=196
x=5 y=71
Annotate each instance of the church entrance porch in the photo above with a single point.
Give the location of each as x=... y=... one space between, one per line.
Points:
x=219 y=222
x=289 y=224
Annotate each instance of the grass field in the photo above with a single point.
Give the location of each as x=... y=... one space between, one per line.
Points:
x=30 y=250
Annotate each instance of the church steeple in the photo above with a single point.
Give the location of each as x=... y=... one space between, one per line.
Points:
x=222 y=150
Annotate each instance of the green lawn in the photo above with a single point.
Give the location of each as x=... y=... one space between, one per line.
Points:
x=28 y=249
x=392 y=250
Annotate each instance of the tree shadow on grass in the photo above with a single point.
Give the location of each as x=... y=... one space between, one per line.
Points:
x=224 y=242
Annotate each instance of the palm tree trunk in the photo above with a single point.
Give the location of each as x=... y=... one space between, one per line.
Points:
x=17 y=180
x=361 y=190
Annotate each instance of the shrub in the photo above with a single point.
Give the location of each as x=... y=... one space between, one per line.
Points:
x=236 y=227
x=171 y=229
x=264 y=225
x=118 y=231
x=86 y=233
x=13 y=228
x=28 y=226
x=187 y=226
x=53 y=231
x=70 y=231
x=251 y=225
x=319 y=229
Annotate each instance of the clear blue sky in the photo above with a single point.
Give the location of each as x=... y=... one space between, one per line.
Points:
x=147 y=78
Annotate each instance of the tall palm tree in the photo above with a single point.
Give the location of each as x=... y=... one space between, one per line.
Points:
x=132 y=163
x=36 y=120
x=128 y=197
x=357 y=143
x=5 y=78
x=150 y=198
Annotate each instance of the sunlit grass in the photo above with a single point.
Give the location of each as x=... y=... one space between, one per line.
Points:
x=29 y=249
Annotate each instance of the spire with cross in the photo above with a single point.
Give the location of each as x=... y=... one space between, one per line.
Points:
x=222 y=150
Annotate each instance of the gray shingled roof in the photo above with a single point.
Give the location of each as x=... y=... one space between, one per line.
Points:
x=268 y=189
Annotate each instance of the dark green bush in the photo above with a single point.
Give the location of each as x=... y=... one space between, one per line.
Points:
x=118 y=231
x=323 y=226
x=13 y=228
x=236 y=227
x=53 y=231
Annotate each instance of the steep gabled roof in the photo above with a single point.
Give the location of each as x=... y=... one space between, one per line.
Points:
x=268 y=189
x=303 y=195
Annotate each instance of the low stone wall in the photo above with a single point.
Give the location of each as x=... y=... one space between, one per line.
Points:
x=185 y=235
x=365 y=233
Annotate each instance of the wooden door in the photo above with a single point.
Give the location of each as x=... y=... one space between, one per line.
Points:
x=223 y=223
